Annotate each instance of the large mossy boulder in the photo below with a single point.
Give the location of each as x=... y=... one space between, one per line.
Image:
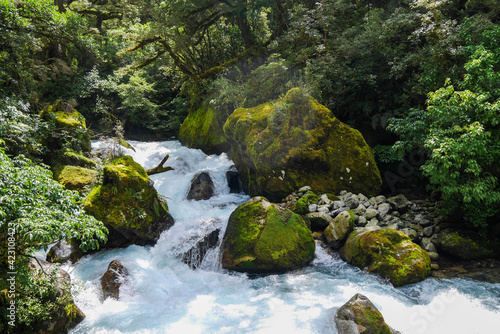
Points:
x=263 y=237
x=69 y=127
x=461 y=246
x=281 y=145
x=203 y=129
x=128 y=204
x=389 y=253
x=360 y=316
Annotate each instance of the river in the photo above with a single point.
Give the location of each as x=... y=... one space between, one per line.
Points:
x=163 y=295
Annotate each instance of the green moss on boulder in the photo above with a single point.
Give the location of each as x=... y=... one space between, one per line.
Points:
x=281 y=145
x=263 y=237
x=74 y=177
x=203 y=129
x=69 y=127
x=128 y=204
x=77 y=159
x=359 y=315
x=461 y=246
x=389 y=253
x=302 y=206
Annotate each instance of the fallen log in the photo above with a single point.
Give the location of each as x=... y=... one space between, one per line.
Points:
x=160 y=169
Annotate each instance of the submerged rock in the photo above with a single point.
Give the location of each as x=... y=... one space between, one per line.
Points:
x=389 y=253
x=112 y=279
x=283 y=144
x=202 y=187
x=360 y=316
x=263 y=237
x=195 y=255
x=128 y=204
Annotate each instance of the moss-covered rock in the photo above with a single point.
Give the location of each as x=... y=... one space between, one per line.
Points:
x=65 y=314
x=281 y=145
x=76 y=159
x=302 y=205
x=203 y=129
x=461 y=246
x=389 y=253
x=263 y=237
x=74 y=177
x=339 y=228
x=359 y=315
x=128 y=204
x=70 y=129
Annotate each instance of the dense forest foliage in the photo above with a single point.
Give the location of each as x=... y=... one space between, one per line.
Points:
x=413 y=75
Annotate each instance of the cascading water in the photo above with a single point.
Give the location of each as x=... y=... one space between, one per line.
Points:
x=164 y=295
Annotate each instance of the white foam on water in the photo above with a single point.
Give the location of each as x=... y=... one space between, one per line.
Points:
x=163 y=295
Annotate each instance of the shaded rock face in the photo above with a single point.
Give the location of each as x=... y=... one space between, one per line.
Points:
x=194 y=256
x=203 y=129
x=202 y=187
x=281 y=145
x=234 y=181
x=129 y=205
x=389 y=253
x=461 y=246
x=113 y=278
x=66 y=315
x=317 y=221
x=263 y=237
x=360 y=316
x=64 y=251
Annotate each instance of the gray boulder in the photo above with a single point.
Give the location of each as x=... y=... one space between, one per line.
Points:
x=202 y=187
x=400 y=203
x=339 y=228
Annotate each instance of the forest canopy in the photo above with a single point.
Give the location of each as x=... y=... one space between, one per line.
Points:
x=410 y=74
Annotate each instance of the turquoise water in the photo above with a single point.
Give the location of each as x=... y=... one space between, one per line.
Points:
x=163 y=295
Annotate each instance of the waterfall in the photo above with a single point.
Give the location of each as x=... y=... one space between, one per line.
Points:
x=164 y=295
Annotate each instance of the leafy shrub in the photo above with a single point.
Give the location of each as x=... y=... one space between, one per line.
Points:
x=36 y=211
x=460 y=132
x=22 y=132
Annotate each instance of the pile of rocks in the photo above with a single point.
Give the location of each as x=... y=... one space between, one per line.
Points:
x=416 y=219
